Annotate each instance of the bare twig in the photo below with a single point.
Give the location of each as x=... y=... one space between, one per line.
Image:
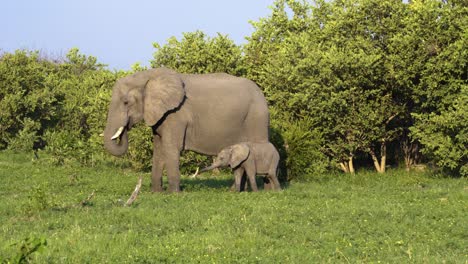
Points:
x=391 y=118
x=195 y=174
x=135 y=192
x=86 y=201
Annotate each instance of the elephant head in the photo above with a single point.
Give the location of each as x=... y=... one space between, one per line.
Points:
x=147 y=95
x=231 y=156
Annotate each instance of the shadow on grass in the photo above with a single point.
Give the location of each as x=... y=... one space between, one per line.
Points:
x=218 y=184
x=205 y=183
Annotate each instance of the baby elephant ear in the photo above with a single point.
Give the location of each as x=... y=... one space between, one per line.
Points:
x=240 y=153
x=162 y=94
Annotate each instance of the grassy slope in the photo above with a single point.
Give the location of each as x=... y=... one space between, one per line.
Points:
x=396 y=217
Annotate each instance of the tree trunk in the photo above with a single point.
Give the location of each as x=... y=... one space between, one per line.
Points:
x=344 y=167
x=347 y=166
x=410 y=153
x=350 y=165
x=383 y=156
x=380 y=165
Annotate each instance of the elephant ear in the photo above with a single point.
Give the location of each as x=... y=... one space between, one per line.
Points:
x=240 y=153
x=162 y=94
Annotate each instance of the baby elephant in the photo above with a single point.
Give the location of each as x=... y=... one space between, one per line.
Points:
x=251 y=158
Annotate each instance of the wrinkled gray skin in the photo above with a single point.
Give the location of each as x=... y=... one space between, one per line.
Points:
x=251 y=158
x=203 y=113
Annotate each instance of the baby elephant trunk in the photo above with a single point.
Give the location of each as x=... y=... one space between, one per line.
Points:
x=203 y=170
x=208 y=168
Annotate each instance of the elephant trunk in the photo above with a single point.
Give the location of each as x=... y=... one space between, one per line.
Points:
x=116 y=140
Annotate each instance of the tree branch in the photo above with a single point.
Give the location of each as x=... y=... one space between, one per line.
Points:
x=86 y=201
x=135 y=192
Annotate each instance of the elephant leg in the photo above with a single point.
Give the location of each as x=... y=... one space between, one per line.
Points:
x=172 y=136
x=243 y=184
x=267 y=183
x=274 y=179
x=238 y=175
x=173 y=172
x=252 y=181
x=158 y=165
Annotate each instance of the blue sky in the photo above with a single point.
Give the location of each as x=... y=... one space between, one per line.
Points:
x=120 y=32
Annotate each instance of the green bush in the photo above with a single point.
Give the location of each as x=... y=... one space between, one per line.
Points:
x=300 y=150
x=29 y=104
x=59 y=105
x=190 y=161
x=140 y=147
x=444 y=136
x=66 y=145
x=26 y=248
x=25 y=139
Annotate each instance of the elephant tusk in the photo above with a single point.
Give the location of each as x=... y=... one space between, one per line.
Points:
x=117 y=134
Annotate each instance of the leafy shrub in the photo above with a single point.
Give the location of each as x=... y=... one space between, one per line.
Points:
x=198 y=53
x=25 y=139
x=38 y=200
x=140 y=147
x=26 y=248
x=300 y=148
x=59 y=105
x=28 y=102
x=190 y=161
x=445 y=136
x=66 y=145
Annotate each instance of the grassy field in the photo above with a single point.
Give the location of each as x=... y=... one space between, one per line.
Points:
x=392 y=218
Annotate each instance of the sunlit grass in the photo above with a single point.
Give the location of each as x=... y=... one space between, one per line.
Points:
x=396 y=217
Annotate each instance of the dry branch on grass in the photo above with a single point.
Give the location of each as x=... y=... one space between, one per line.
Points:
x=135 y=192
x=86 y=201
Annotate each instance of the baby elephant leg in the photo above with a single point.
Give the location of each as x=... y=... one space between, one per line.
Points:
x=238 y=175
x=243 y=184
x=267 y=183
x=251 y=176
x=274 y=180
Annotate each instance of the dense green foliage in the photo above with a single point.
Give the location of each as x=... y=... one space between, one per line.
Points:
x=366 y=80
x=360 y=72
x=198 y=53
x=56 y=105
x=398 y=217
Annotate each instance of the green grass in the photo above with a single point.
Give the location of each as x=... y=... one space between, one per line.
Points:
x=391 y=218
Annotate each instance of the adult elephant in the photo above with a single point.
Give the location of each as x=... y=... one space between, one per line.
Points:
x=204 y=113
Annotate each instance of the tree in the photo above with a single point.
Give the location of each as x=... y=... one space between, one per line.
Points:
x=328 y=62
x=277 y=58
x=445 y=135
x=430 y=63
x=28 y=102
x=198 y=53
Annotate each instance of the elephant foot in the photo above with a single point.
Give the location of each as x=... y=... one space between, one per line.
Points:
x=174 y=190
x=243 y=187
x=267 y=184
x=156 y=189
